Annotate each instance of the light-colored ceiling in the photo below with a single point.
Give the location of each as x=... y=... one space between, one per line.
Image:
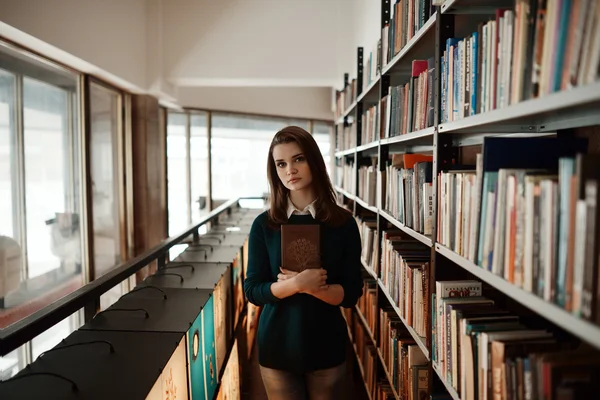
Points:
x=292 y=52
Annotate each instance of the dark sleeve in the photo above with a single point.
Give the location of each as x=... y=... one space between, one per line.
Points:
x=352 y=281
x=257 y=285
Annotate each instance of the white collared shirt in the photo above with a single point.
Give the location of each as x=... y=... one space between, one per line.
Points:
x=309 y=209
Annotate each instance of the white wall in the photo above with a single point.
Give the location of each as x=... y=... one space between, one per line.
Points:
x=110 y=34
x=301 y=102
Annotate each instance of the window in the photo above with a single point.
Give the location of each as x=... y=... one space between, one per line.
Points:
x=7 y=155
x=40 y=191
x=53 y=336
x=322 y=133
x=177 y=173
x=239 y=149
x=105 y=164
x=199 y=165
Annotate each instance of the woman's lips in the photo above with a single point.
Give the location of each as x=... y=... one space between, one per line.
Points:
x=294 y=180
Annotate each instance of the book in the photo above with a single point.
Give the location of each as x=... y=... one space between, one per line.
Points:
x=300 y=247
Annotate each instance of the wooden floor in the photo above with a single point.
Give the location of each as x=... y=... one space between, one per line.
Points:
x=253 y=388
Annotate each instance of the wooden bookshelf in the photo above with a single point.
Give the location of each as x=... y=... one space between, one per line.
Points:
x=456 y=138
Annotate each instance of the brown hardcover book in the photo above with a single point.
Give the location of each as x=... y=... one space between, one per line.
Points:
x=300 y=247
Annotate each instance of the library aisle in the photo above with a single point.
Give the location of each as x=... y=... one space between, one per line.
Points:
x=253 y=388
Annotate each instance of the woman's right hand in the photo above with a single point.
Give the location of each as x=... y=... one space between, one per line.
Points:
x=311 y=280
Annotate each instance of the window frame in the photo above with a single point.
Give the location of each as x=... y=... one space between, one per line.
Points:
x=18 y=176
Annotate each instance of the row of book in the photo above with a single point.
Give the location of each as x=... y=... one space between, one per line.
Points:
x=344 y=177
x=485 y=352
x=367 y=304
x=344 y=98
x=370 y=129
x=345 y=137
x=367 y=183
x=370 y=241
x=408 y=192
x=535 y=49
x=531 y=218
x=365 y=351
x=402 y=357
x=371 y=65
x=407 y=17
x=405 y=276
x=409 y=107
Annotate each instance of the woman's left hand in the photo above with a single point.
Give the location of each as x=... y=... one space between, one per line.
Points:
x=285 y=274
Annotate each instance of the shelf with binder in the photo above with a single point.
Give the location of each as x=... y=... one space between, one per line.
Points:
x=426 y=240
x=474 y=6
x=387 y=374
x=580 y=328
x=365 y=205
x=419 y=340
x=370 y=93
x=345 y=153
x=345 y=193
x=419 y=46
x=570 y=108
x=449 y=388
x=368 y=148
x=421 y=137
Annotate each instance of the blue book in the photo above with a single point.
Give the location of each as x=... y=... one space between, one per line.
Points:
x=562 y=35
x=566 y=170
x=474 y=73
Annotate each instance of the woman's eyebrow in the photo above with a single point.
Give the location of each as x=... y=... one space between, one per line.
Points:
x=297 y=155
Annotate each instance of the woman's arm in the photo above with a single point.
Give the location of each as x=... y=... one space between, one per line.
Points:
x=259 y=287
x=330 y=294
x=349 y=290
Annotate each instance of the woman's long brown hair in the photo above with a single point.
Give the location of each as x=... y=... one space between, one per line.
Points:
x=327 y=209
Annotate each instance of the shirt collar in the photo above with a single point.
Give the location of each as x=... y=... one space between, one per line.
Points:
x=309 y=209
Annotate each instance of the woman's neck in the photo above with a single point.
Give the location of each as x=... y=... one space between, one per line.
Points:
x=302 y=198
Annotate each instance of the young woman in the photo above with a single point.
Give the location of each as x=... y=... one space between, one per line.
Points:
x=302 y=335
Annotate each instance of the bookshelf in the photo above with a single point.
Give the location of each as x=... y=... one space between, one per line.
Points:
x=563 y=109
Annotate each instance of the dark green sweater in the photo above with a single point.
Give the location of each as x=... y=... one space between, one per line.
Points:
x=302 y=333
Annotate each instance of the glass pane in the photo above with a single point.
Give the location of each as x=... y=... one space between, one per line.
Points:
x=104 y=149
x=10 y=249
x=322 y=133
x=53 y=336
x=46 y=149
x=239 y=150
x=12 y=363
x=8 y=153
x=199 y=164
x=40 y=178
x=178 y=196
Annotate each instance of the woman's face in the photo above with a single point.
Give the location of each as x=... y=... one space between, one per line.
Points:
x=292 y=167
